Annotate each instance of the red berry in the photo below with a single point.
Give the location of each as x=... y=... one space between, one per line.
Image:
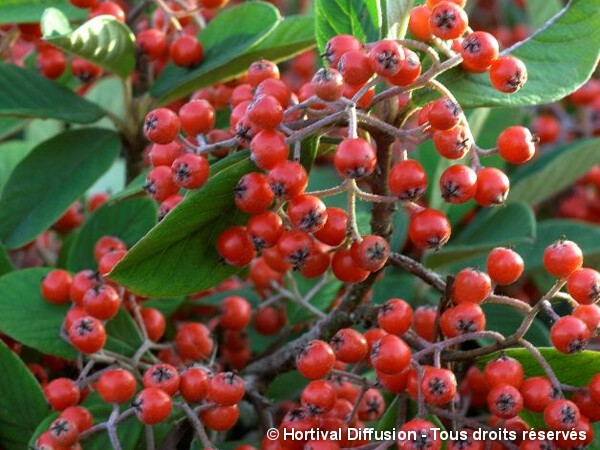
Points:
x=109 y=261
x=562 y=258
x=407 y=179
x=471 y=286
x=102 y=302
x=276 y=88
x=295 y=247
x=537 y=393
x=429 y=229
x=63 y=432
x=268 y=148
x=108 y=244
x=226 y=389
x=338 y=46
x=56 y=287
x=328 y=84
x=386 y=58
x=265 y=229
x=354 y=67
x=390 y=355
x=448 y=20
x=159 y=183
x=438 y=386
x=315 y=360
x=152 y=43
x=354 y=158
x=152 y=406
x=335 y=228
x=547 y=128
x=516 y=145
x=85 y=70
x=220 y=418
x=346 y=269
x=51 y=63
x=253 y=194
x=503 y=370
x=444 y=114
x=420 y=435
x=453 y=143
x=161 y=126
x=164 y=155
x=371 y=253
x=462 y=319
x=262 y=70
x=349 y=346
x=116 y=386
x=155 y=323
x=190 y=171
x=584 y=286
x=79 y=416
x=87 y=335
x=590 y=315
x=418 y=23
x=395 y=316
x=479 y=50
x=288 y=179
x=504 y=266
x=107 y=8
x=569 y=335
x=235 y=246
x=411 y=69
x=505 y=401
x=372 y=406
x=561 y=414
x=162 y=376
x=186 y=51
x=318 y=397
x=458 y=184
x=508 y=74
x=62 y=393
x=492 y=187
x=197 y=117
x=194 y=384
x=265 y=112
x=235 y=313
x=307 y=213
x=193 y=341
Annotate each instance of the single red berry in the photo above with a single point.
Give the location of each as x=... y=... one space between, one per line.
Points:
x=547 y=128
x=152 y=43
x=386 y=58
x=395 y=383
x=109 y=261
x=288 y=179
x=295 y=248
x=537 y=393
x=226 y=389
x=307 y=213
x=318 y=397
x=492 y=187
x=161 y=126
x=155 y=323
x=197 y=117
x=186 y=51
x=335 y=228
x=561 y=414
x=262 y=70
x=108 y=8
x=429 y=229
x=453 y=143
x=471 y=286
x=508 y=74
x=193 y=341
x=167 y=205
x=63 y=432
x=269 y=320
x=235 y=313
x=190 y=171
x=371 y=253
x=235 y=246
x=448 y=20
x=420 y=435
x=315 y=360
x=407 y=179
x=584 y=286
x=275 y=88
x=411 y=69
x=590 y=315
x=395 y=316
x=265 y=229
x=418 y=23
x=458 y=184
x=96 y=200
x=479 y=50
x=194 y=384
x=346 y=269
x=562 y=258
x=164 y=155
x=268 y=148
x=372 y=406
x=61 y=393
x=56 y=287
x=505 y=401
x=116 y=386
x=504 y=266
x=462 y=319
x=503 y=370
x=516 y=145
x=87 y=335
x=438 y=386
x=51 y=63
x=349 y=346
x=338 y=46
x=220 y=418
x=102 y=302
x=253 y=194
x=390 y=355
x=79 y=416
x=354 y=67
x=108 y=244
x=265 y=112
x=354 y=158
x=328 y=84
x=241 y=93
x=85 y=70
x=152 y=406
x=444 y=114
x=569 y=335
x=162 y=376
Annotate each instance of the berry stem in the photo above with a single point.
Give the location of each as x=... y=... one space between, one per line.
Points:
x=543 y=363
x=192 y=417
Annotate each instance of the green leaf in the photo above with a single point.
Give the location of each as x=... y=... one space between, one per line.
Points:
x=178 y=256
x=309 y=148
x=102 y=40
x=6 y=264
x=11 y=153
x=134 y=189
x=122 y=334
x=24 y=405
x=50 y=179
x=285 y=384
x=397 y=13
x=511 y=224
x=540 y=11
x=506 y=320
x=559 y=59
x=576 y=369
x=30 y=11
x=556 y=171
x=10 y=126
x=390 y=417
x=224 y=40
x=108 y=93
x=167 y=306
x=128 y=220
x=360 y=18
x=24 y=93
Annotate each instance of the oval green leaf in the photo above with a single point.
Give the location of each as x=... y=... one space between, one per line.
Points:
x=178 y=256
x=50 y=178
x=559 y=58
x=102 y=40
x=24 y=405
x=224 y=40
x=128 y=220
x=24 y=93
x=28 y=11
x=360 y=18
